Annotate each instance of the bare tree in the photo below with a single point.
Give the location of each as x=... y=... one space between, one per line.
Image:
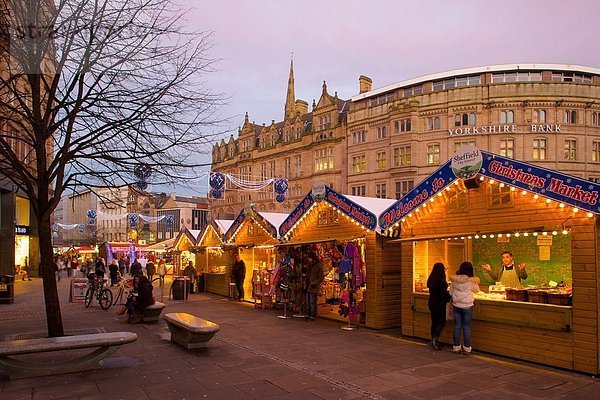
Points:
x=91 y=89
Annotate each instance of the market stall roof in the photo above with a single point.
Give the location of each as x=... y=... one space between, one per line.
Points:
x=269 y=221
x=363 y=210
x=84 y=249
x=223 y=225
x=473 y=165
x=192 y=236
x=161 y=247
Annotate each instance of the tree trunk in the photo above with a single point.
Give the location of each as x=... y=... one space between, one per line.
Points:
x=53 y=316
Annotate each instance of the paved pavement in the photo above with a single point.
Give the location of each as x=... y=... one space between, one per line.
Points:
x=257 y=355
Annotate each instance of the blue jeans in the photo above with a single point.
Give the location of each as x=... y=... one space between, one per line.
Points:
x=462 y=320
x=311 y=304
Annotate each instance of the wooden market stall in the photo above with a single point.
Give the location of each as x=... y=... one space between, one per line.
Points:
x=254 y=235
x=330 y=222
x=183 y=249
x=212 y=259
x=545 y=218
x=162 y=250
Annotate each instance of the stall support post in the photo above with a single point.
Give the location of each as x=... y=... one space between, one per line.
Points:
x=285 y=314
x=349 y=327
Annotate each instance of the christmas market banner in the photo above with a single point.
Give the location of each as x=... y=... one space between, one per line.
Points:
x=560 y=187
x=337 y=200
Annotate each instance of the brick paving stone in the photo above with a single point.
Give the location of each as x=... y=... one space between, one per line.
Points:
x=259 y=355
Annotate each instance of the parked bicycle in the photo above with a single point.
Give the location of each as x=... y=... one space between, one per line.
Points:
x=98 y=290
x=124 y=287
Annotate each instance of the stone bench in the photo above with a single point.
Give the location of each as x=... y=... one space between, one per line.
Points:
x=105 y=344
x=190 y=331
x=152 y=313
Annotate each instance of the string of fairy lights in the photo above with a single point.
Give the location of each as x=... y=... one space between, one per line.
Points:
x=564 y=230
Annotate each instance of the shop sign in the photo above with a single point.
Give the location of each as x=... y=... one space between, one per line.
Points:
x=318 y=191
x=466 y=162
x=78 y=289
x=351 y=209
x=21 y=230
x=265 y=224
x=295 y=215
x=503 y=129
x=235 y=226
x=437 y=181
x=555 y=185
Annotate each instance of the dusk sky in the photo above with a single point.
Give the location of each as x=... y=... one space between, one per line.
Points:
x=388 y=41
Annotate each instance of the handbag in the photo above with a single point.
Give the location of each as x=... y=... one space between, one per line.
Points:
x=449 y=311
x=446 y=297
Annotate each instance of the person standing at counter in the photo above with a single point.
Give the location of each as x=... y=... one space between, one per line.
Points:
x=438 y=297
x=463 y=285
x=508 y=273
x=239 y=274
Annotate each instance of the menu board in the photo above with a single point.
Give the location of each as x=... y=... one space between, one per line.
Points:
x=78 y=288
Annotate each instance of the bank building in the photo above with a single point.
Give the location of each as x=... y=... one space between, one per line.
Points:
x=382 y=142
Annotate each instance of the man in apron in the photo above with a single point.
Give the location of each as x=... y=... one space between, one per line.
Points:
x=509 y=274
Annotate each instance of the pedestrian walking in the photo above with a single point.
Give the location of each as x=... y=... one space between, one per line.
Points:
x=238 y=274
x=25 y=268
x=162 y=271
x=150 y=270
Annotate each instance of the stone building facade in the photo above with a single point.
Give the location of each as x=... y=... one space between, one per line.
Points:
x=386 y=140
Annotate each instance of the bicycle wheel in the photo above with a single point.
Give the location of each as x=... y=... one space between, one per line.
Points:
x=106 y=298
x=89 y=295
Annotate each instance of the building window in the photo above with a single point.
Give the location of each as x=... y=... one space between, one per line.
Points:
x=359 y=190
x=323 y=159
x=433 y=154
x=402 y=156
x=458 y=145
x=381 y=160
x=433 y=123
x=538 y=117
x=500 y=196
x=413 y=90
x=246 y=145
x=263 y=171
x=404 y=125
x=507 y=117
x=464 y=119
x=456 y=82
x=272 y=169
x=380 y=190
x=507 y=148
x=287 y=167
x=384 y=98
x=359 y=164
x=381 y=132
x=403 y=187
x=571 y=77
x=596 y=151
x=595 y=118
x=570 y=117
x=324 y=122
x=571 y=149
x=359 y=137
x=520 y=76
x=297 y=166
x=539 y=148
x=595 y=179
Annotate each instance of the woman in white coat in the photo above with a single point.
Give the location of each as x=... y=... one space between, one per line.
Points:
x=463 y=286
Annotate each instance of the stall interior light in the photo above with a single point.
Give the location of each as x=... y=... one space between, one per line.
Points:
x=502 y=184
x=590 y=215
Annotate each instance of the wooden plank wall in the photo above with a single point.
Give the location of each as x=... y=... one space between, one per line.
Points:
x=382 y=303
x=576 y=350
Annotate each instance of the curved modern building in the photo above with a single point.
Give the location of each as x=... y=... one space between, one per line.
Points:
x=386 y=140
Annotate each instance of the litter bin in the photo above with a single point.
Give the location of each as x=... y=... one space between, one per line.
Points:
x=201 y=284
x=7 y=289
x=180 y=287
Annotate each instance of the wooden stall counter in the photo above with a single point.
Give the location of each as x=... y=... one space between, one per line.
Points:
x=532 y=315
x=217 y=283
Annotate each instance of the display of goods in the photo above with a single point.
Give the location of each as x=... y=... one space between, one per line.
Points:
x=560 y=299
x=516 y=294
x=537 y=296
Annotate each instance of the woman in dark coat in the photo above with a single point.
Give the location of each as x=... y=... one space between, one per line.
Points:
x=438 y=297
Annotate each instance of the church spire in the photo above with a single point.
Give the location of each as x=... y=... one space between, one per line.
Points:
x=290 y=101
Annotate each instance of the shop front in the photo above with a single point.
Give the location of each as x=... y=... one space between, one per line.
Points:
x=480 y=205
x=254 y=236
x=183 y=250
x=212 y=260
x=342 y=232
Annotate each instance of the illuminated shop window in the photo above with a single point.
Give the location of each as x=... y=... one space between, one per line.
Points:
x=324 y=159
x=596 y=151
x=359 y=164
